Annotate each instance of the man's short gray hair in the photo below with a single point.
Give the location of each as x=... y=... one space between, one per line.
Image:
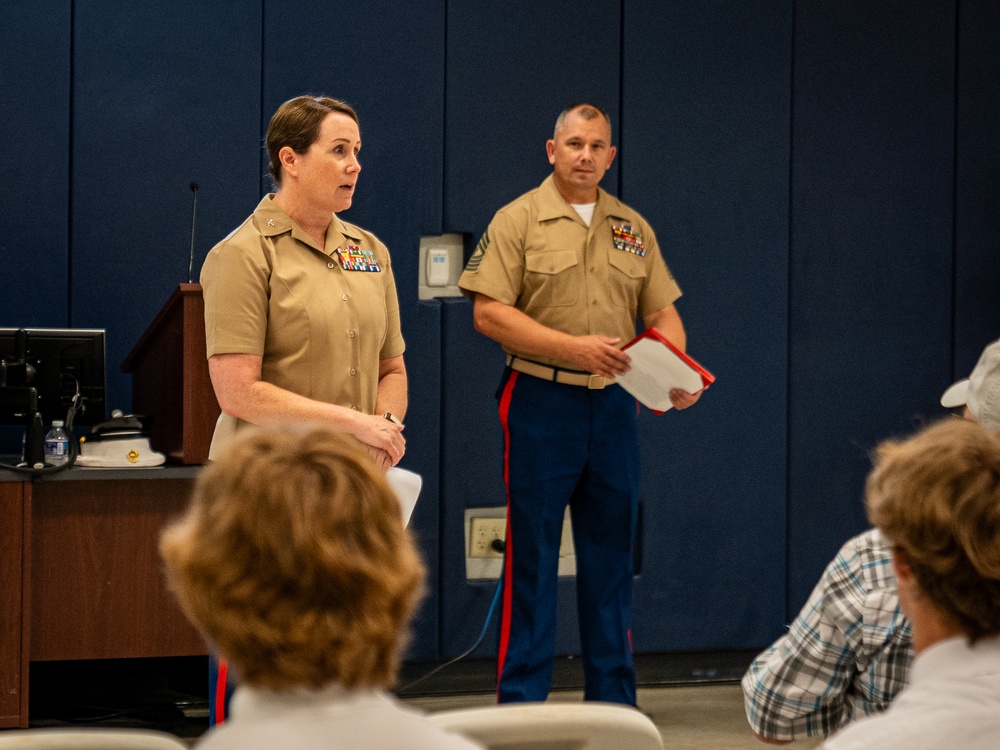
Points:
x=586 y=111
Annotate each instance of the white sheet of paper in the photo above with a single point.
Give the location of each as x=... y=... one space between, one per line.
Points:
x=656 y=370
x=406 y=484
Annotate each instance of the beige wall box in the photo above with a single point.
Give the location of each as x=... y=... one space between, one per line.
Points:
x=441 y=265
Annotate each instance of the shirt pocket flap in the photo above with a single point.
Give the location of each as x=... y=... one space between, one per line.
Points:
x=629 y=264
x=553 y=262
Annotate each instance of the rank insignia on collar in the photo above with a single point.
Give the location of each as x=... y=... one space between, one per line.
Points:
x=627 y=238
x=353 y=258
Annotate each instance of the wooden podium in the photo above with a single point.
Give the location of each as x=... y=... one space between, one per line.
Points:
x=170 y=381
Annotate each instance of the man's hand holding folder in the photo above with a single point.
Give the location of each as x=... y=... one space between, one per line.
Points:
x=661 y=376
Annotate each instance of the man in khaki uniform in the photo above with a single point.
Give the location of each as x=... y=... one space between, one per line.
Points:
x=558 y=279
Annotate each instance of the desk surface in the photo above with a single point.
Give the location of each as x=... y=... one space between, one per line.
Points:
x=78 y=474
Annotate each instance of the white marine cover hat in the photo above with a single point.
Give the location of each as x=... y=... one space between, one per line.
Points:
x=981 y=390
x=124 y=451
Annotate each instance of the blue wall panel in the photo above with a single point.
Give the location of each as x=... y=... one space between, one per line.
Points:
x=704 y=156
x=472 y=474
x=977 y=196
x=871 y=251
x=825 y=193
x=34 y=131
x=386 y=59
x=512 y=67
x=164 y=94
x=422 y=329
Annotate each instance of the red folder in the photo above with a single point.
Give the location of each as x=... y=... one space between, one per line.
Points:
x=658 y=367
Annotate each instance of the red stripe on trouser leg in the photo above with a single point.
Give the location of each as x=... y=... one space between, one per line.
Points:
x=508 y=573
x=220 y=692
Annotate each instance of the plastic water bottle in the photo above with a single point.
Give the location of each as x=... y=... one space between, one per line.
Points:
x=56 y=445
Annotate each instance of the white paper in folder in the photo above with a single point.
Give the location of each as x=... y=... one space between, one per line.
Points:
x=657 y=368
x=406 y=484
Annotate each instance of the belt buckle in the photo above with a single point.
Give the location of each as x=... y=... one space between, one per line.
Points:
x=595 y=382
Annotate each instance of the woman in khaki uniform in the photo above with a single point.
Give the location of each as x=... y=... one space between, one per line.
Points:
x=301 y=314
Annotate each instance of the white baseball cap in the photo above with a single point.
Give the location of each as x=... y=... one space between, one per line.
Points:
x=981 y=390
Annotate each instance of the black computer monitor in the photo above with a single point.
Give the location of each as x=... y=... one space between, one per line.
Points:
x=61 y=362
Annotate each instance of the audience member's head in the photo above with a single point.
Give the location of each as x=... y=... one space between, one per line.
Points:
x=980 y=392
x=293 y=560
x=936 y=497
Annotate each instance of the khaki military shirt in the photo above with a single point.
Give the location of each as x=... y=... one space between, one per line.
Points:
x=538 y=256
x=320 y=328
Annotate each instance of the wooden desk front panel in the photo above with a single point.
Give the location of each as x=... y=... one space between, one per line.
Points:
x=13 y=669
x=97 y=585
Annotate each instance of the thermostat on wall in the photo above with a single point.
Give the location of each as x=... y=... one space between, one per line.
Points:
x=438 y=272
x=440 y=266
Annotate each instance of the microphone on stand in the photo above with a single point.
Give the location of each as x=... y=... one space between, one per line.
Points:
x=194 y=214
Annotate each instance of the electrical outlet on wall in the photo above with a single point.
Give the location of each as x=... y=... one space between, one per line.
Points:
x=483 y=534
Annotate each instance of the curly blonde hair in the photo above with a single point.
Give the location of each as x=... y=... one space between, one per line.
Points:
x=936 y=496
x=293 y=560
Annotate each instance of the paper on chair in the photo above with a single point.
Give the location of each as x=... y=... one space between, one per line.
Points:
x=406 y=484
x=657 y=368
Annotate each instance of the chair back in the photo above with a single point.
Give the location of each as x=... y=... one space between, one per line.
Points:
x=553 y=726
x=88 y=739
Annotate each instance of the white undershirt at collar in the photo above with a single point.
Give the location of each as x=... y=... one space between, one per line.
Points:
x=586 y=211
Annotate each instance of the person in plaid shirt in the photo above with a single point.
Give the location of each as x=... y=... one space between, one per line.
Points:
x=846 y=655
x=848 y=652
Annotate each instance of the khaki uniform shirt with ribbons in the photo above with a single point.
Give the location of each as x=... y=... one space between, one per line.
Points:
x=538 y=256
x=320 y=328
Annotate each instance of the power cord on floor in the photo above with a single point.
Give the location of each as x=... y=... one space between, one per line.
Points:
x=473 y=647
